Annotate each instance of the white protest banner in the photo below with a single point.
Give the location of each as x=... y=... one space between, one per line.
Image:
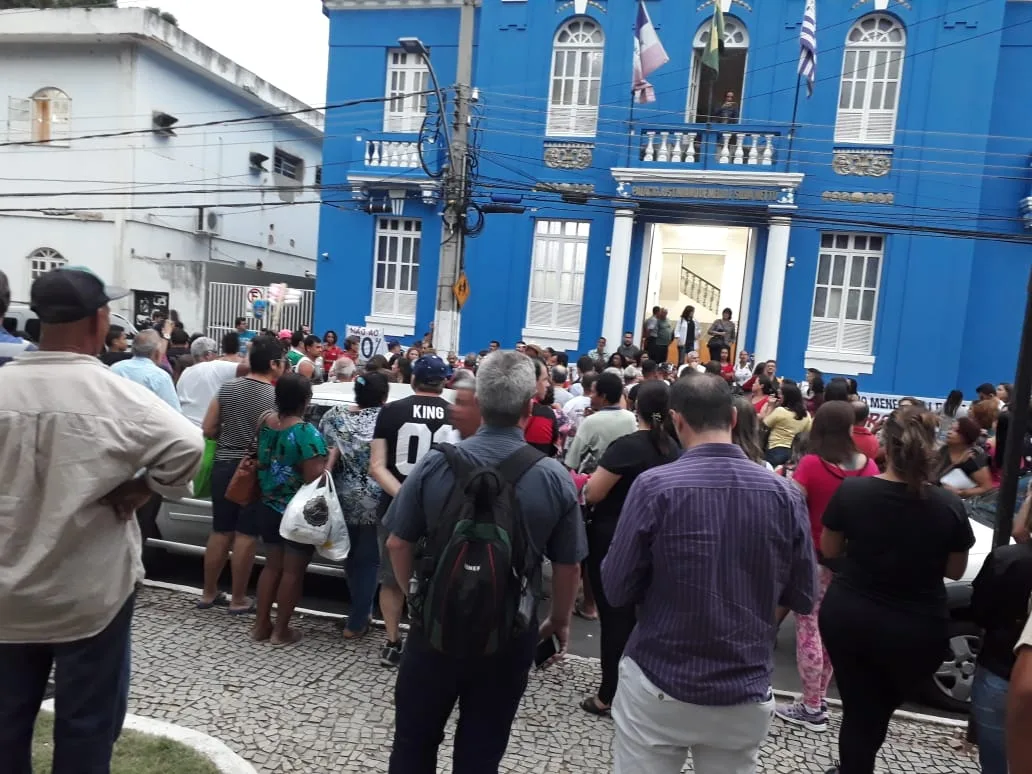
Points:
x=370 y=341
x=881 y=404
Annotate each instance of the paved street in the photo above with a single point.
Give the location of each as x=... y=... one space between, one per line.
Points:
x=329 y=595
x=323 y=706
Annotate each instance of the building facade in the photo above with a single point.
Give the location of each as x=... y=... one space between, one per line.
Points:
x=130 y=147
x=882 y=238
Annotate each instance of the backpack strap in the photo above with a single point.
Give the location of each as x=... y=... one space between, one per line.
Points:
x=460 y=465
x=519 y=462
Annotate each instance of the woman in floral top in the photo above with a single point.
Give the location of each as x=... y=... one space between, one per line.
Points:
x=291 y=453
x=349 y=434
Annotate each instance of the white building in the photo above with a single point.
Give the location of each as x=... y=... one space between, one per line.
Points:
x=130 y=147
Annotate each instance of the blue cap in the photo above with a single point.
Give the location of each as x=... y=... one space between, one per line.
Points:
x=429 y=369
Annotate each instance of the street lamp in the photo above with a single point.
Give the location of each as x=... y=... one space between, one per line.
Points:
x=418 y=48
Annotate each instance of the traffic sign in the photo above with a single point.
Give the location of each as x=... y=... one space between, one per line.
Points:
x=255 y=294
x=370 y=341
x=461 y=290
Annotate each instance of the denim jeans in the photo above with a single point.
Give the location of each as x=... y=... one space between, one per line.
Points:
x=91 y=694
x=363 y=567
x=989 y=711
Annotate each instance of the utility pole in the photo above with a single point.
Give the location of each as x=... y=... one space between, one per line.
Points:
x=456 y=193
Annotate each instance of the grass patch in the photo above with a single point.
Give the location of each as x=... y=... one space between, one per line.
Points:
x=134 y=753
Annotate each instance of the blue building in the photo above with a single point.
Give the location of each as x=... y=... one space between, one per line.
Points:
x=884 y=240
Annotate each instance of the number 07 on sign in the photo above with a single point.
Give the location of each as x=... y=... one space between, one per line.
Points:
x=461 y=290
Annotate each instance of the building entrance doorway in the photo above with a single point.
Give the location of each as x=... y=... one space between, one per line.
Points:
x=705 y=267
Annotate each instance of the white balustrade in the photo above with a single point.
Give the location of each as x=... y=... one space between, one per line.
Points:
x=728 y=148
x=389 y=153
x=664 y=149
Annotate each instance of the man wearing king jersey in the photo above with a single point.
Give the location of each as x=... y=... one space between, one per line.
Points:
x=405 y=430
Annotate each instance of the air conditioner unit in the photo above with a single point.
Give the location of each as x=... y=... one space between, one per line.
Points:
x=209 y=222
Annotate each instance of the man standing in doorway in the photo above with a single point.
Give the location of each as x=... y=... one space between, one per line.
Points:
x=696 y=673
x=91 y=447
x=405 y=430
x=648 y=336
x=664 y=334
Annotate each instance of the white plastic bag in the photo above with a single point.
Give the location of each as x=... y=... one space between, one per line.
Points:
x=307 y=517
x=338 y=544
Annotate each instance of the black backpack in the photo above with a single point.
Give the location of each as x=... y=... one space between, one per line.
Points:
x=474 y=584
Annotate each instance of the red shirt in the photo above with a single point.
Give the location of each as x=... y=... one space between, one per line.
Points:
x=329 y=357
x=866 y=441
x=821 y=479
x=727 y=370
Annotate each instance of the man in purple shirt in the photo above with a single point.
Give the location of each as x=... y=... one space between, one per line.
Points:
x=707 y=547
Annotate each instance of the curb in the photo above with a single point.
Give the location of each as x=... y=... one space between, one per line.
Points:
x=916 y=717
x=224 y=759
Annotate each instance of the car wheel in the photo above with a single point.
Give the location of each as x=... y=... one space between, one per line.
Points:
x=950 y=687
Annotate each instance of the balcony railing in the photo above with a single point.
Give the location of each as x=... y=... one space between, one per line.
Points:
x=704 y=293
x=707 y=146
x=403 y=154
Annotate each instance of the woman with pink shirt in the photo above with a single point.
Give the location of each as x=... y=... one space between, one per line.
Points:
x=832 y=458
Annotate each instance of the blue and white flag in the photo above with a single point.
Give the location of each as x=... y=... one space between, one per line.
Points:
x=649 y=55
x=808 y=46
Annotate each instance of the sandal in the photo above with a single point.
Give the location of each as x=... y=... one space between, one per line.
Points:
x=579 y=612
x=221 y=600
x=590 y=705
x=249 y=610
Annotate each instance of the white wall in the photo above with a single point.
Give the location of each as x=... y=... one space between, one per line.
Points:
x=114 y=87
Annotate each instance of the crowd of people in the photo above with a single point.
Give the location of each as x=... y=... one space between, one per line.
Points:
x=688 y=508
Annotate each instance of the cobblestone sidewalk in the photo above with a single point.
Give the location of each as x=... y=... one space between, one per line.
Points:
x=326 y=706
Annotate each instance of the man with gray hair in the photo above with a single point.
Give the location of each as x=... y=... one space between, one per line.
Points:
x=144 y=368
x=487 y=688
x=559 y=374
x=465 y=413
x=199 y=384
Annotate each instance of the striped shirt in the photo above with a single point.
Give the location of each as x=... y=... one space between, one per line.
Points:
x=707 y=547
x=242 y=402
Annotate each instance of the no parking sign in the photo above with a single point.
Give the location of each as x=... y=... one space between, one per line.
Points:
x=370 y=341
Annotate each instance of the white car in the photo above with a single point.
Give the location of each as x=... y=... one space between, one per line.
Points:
x=183 y=526
x=19 y=317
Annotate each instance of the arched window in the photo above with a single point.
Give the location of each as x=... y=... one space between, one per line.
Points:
x=872 y=71
x=43 y=117
x=708 y=94
x=576 y=77
x=43 y=260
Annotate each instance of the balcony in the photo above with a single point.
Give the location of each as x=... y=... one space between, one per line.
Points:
x=403 y=154
x=712 y=147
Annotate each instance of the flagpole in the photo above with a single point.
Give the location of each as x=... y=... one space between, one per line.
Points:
x=630 y=128
x=792 y=129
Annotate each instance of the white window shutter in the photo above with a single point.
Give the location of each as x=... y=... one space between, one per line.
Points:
x=383 y=302
x=849 y=125
x=19 y=119
x=857 y=337
x=60 y=120
x=539 y=314
x=880 y=126
x=567 y=316
x=824 y=334
x=406 y=304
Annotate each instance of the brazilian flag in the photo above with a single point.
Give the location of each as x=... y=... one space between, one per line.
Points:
x=715 y=44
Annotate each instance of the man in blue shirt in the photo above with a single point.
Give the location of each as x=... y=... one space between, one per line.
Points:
x=10 y=346
x=143 y=369
x=243 y=334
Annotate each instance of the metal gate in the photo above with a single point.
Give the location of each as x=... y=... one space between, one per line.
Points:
x=227 y=301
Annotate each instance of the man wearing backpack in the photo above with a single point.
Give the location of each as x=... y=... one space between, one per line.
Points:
x=477 y=576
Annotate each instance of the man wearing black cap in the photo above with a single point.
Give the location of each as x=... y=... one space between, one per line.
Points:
x=76 y=437
x=405 y=431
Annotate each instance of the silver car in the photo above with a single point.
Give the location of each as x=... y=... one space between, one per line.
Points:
x=183 y=526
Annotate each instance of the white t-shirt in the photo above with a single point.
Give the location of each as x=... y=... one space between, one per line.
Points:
x=199 y=385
